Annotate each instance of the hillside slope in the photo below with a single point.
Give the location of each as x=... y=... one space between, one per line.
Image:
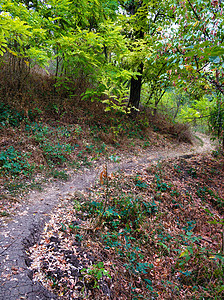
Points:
x=168 y=219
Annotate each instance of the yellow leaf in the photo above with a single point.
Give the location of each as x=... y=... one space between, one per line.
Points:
x=196 y=23
x=12 y=52
x=184 y=253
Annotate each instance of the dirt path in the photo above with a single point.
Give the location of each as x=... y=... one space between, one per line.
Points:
x=22 y=232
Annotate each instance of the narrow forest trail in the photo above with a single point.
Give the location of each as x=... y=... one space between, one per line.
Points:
x=23 y=231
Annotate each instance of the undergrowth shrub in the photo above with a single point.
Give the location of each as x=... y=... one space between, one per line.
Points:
x=53 y=141
x=9 y=116
x=22 y=87
x=56 y=153
x=120 y=221
x=14 y=163
x=163 y=124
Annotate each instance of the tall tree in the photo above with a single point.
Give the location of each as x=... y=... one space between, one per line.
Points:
x=196 y=42
x=145 y=19
x=137 y=21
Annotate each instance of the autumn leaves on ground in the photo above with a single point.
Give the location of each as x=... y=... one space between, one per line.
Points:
x=156 y=233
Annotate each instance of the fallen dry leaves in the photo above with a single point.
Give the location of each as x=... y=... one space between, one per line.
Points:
x=176 y=246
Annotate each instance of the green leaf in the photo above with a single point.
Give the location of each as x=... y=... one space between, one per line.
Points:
x=107 y=109
x=221 y=289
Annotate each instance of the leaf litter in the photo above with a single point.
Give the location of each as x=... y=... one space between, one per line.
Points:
x=153 y=234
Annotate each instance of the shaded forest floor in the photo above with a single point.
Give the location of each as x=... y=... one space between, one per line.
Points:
x=155 y=232
x=35 y=155
x=140 y=216
x=39 y=148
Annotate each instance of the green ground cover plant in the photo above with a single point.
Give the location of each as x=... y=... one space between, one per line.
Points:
x=14 y=163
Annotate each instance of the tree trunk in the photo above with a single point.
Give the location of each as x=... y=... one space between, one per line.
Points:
x=136 y=84
x=135 y=92
x=157 y=100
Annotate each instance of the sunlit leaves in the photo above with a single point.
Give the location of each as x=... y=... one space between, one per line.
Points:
x=38 y=56
x=197 y=40
x=14 y=28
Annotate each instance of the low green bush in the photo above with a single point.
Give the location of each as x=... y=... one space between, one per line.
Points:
x=14 y=163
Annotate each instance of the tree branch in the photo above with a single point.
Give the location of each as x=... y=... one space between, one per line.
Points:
x=197 y=17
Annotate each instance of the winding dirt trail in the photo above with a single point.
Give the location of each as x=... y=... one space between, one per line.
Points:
x=22 y=232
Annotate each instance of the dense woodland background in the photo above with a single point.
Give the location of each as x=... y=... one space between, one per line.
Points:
x=87 y=82
x=166 y=55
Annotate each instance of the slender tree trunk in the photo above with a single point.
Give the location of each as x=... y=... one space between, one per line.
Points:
x=135 y=92
x=105 y=52
x=176 y=112
x=157 y=102
x=136 y=84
